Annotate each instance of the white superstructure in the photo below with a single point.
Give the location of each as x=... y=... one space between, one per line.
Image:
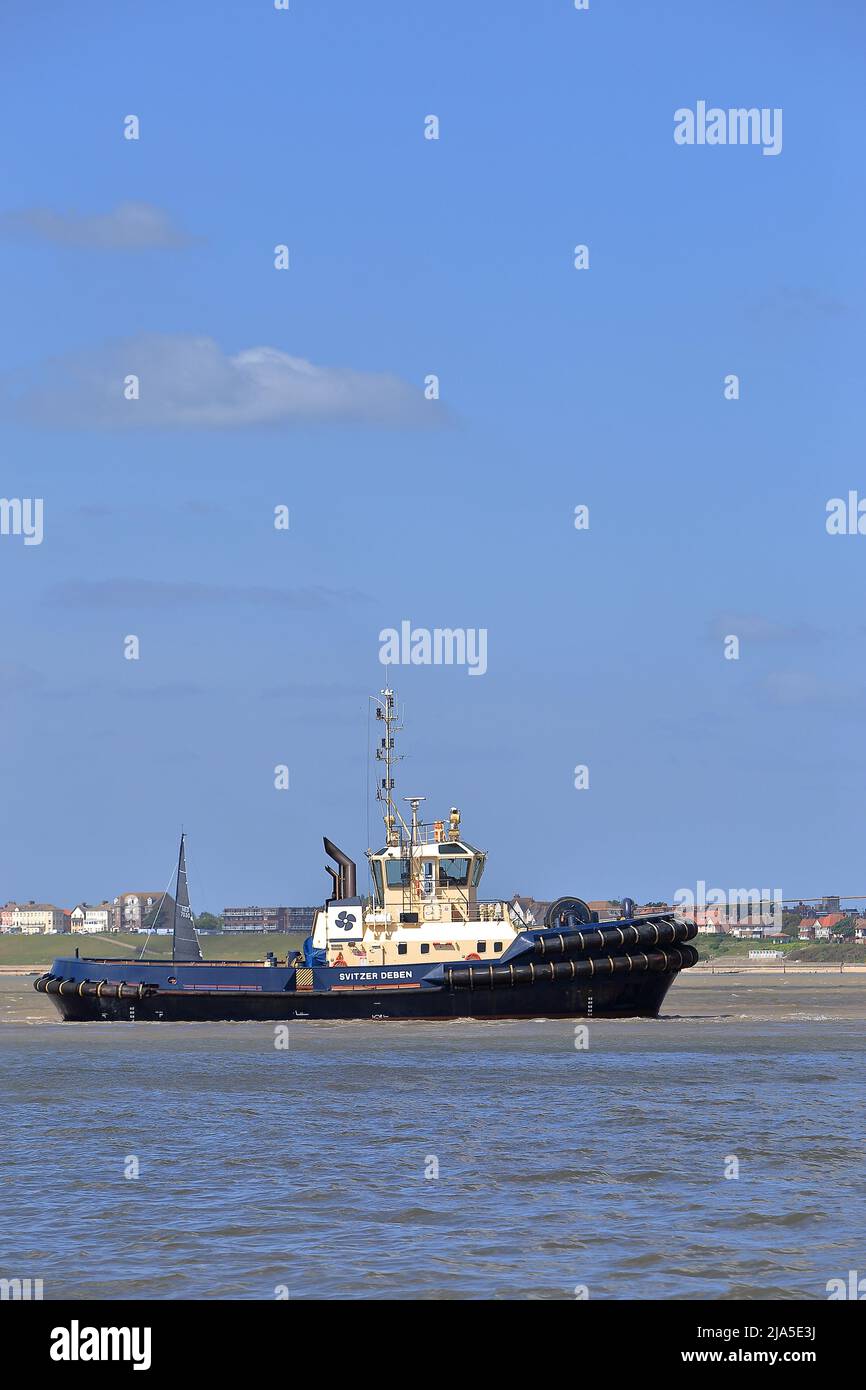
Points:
x=425 y=905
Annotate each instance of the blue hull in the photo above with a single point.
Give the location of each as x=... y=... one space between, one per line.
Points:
x=609 y=971
x=615 y=998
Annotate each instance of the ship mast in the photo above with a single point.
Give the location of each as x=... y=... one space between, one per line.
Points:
x=386 y=710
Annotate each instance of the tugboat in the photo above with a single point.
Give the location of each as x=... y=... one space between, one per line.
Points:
x=423 y=945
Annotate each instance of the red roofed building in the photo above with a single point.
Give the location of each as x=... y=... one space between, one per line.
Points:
x=825 y=927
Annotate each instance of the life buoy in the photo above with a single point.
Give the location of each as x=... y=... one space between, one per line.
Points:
x=473 y=955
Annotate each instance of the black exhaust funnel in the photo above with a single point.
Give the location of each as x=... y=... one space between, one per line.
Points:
x=347 y=877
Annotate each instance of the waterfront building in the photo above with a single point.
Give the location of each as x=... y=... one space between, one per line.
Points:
x=238 y=919
x=267 y=919
x=528 y=910
x=821 y=928
x=99 y=919
x=35 y=918
x=299 y=918
x=138 y=911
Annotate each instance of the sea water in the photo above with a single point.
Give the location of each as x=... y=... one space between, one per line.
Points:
x=714 y=1153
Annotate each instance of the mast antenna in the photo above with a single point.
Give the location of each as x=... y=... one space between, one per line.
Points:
x=388 y=712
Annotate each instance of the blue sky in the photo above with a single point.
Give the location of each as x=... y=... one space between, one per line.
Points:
x=559 y=387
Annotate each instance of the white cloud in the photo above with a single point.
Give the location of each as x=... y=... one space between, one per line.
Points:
x=128 y=227
x=189 y=382
x=753 y=627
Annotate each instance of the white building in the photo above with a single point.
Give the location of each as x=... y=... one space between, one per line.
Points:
x=98 y=920
x=528 y=911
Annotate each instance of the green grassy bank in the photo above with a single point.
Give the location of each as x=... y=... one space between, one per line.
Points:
x=40 y=951
x=803 y=953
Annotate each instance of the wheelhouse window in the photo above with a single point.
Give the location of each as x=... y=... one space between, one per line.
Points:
x=477 y=869
x=397 y=873
x=376 y=865
x=454 y=873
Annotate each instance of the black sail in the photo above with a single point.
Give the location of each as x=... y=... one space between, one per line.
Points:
x=185 y=942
